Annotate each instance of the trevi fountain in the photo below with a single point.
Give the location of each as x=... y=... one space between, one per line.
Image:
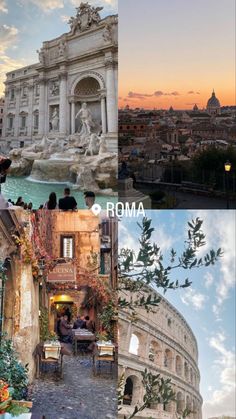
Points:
x=60 y=125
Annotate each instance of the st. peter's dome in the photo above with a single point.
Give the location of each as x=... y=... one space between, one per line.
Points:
x=213 y=104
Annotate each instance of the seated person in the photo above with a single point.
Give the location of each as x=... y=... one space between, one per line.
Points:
x=65 y=330
x=89 y=198
x=68 y=202
x=89 y=324
x=79 y=323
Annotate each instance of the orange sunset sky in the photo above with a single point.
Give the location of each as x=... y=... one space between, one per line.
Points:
x=175 y=52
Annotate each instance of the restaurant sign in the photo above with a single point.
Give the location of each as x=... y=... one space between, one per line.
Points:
x=63 y=272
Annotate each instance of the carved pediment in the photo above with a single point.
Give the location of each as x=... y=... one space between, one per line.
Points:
x=86 y=17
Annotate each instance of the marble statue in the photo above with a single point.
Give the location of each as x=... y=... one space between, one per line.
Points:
x=61 y=48
x=107 y=33
x=102 y=145
x=55 y=120
x=41 y=54
x=85 y=179
x=54 y=88
x=93 y=147
x=86 y=118
x=86 y=16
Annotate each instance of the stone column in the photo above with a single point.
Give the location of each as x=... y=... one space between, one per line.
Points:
x=42 y=110
x=30 y=112
x=17 y=116
x=5 y=113
x=72 y=117
x=112 y=117
x=103 y=114
x=63 y=103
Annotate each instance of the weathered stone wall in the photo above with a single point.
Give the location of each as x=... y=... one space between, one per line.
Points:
x=84 y=226
x=21 y=298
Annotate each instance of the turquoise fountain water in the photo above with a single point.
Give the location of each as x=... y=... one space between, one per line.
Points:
x=38 y=192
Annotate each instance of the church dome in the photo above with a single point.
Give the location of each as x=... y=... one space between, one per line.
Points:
x=213 y=102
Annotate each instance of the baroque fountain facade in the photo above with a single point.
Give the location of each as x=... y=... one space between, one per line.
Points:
x=60 y=122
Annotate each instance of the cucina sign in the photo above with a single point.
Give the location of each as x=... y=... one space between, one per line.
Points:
x=63 y=272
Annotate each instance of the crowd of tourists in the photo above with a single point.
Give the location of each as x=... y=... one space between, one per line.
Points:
x=65 y=203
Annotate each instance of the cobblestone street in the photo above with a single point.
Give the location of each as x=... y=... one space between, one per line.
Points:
x=78 y=395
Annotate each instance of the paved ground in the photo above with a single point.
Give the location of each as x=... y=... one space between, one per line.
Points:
x=191 y=201
x=79 y=395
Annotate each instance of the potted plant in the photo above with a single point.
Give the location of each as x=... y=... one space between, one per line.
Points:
x=12 y=371
x=8 y=405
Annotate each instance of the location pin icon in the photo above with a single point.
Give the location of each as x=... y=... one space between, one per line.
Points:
x=96 y=209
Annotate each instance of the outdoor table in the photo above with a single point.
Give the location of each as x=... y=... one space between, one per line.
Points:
x=39 y=353
x=103 y=351
x=82 y=337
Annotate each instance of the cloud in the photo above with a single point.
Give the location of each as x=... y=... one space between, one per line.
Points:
x=143 y=96
x=208 y=277
x=191 y=92
x=222 y=402
x=65 y=18
x=134 y=95
x=109 y=5
x=193 y=298
x=162 y=239
x=45 y=5
x=159 y=93
x=8 y=36
x=127 y=239
x=219 y=227
x=3 y=6
x=8 y=64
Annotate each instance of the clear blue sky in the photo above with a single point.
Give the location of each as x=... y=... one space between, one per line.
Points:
x=209 y=305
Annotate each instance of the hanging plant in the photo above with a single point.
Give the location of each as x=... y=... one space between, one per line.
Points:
x=44 y=324
x=107 y=317
x=74 y=311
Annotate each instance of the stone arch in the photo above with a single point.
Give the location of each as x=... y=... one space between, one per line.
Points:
x=168 y=359
x=155 y=352
x=178 y=365
x=191 y=376
x=179 y=402
x=186 y=371
x=188 y=403
x=85 y=75
x=87 y=87
x=167 y=407
x=134 y=344
x=131 y=390
x=195 y=409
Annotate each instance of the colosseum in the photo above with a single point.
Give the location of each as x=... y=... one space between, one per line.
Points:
x=163 y=343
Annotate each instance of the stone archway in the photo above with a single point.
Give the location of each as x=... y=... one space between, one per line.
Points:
x=132 y=390
x=180 y=402
x=89 y=88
